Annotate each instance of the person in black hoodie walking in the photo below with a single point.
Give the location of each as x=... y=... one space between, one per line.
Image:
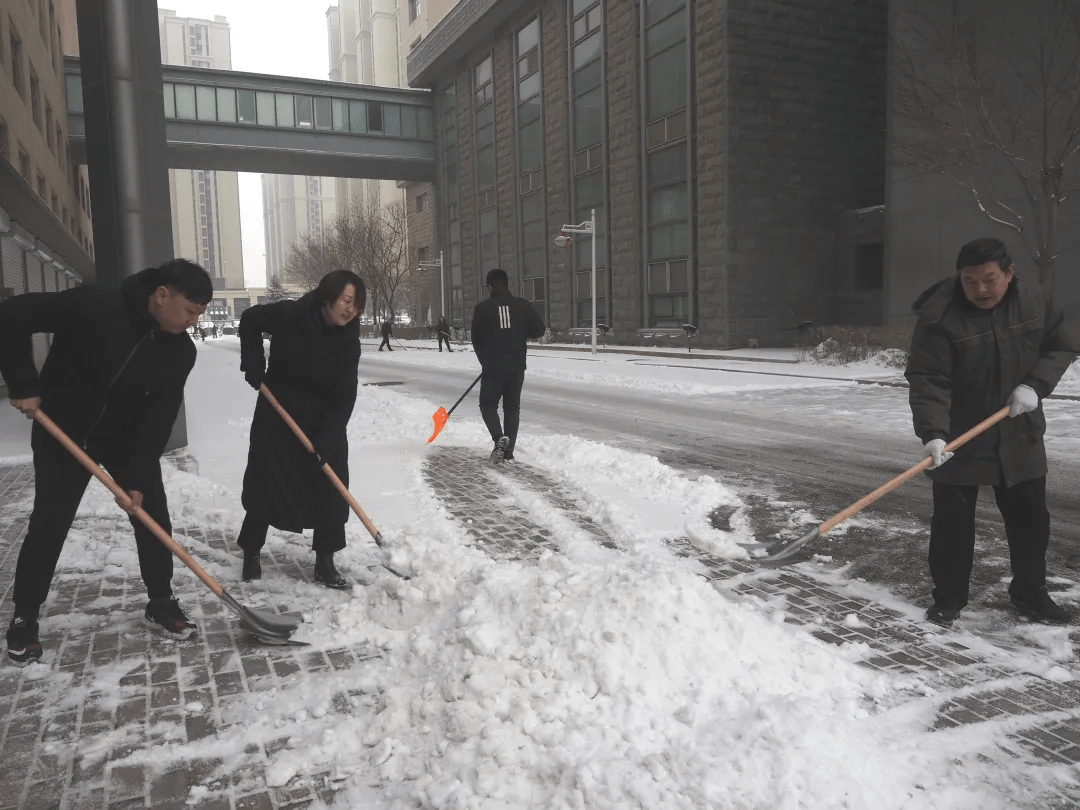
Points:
x=500 y=327
x=986 y=339
x=312 y=372
x=113 y=381
x=387 y=332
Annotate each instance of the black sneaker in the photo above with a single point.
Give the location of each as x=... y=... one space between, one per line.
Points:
x=167 y=614
x=1041 y=608
x=498 y=455
x=943 y=615
x=252 y=567
x=326 y=574
x=23 y=646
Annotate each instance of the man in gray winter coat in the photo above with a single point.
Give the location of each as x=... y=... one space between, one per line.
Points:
x=985 y=339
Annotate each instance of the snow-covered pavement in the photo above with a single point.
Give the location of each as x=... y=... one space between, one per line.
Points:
x=575 y=634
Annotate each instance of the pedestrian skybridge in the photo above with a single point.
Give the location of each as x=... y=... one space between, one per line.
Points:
x=250 y=122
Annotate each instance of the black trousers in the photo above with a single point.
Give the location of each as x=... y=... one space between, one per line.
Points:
x=386 y=343
x=507 y=387
x=327 y=539
x=444 y=339
x=59 y=484
x=952 y=537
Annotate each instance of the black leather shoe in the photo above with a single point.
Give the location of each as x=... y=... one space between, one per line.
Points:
x=326 y=574
x=1041 y=608
x=943 y=615
x=252 y=567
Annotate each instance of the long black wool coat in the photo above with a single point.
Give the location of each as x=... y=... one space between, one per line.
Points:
x=312 y=373
x=963 y=365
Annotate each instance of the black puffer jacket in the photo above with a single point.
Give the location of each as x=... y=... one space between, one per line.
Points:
x=113 y=381
x=312 y=373
x=965 y=362
x=501 y=325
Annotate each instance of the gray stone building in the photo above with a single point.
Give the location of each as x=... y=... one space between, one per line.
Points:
x=734 y=152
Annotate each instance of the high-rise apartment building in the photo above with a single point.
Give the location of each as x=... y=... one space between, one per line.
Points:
x=205 y=203
x=292 y=207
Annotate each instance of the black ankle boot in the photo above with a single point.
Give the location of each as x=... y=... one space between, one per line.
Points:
x=252 y=567
x=326 y=574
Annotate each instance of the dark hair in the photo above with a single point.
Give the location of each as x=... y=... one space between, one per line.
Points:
x=981 y=251
x=333 y=284
x=496 y=277
x=186 y=278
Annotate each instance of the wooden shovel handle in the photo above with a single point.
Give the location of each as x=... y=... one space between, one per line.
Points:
x=865 y=501
x=119 y=492
x=344 y=490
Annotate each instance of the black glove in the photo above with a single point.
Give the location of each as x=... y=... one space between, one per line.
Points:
x=254 y=377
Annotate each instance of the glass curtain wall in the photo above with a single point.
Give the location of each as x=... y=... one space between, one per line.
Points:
x=669 y=281
x=530 y=158
x=452 y=203
x=484 y=124
x=588 y=119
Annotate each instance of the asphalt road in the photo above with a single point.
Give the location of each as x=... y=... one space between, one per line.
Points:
x=790 y=452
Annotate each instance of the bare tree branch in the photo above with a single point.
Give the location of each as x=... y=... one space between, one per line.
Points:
x=993 y=104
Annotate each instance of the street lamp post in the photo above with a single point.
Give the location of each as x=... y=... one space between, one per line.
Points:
x=562 y=240
x=442 y=281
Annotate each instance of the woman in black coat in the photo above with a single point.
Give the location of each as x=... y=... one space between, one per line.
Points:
x=314 y=353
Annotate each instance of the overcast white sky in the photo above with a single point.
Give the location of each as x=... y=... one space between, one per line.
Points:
x=283 y=37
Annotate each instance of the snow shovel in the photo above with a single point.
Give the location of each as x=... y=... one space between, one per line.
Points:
x=440 y=416
x=268 y=627
x=344 y=490
x=784 y=552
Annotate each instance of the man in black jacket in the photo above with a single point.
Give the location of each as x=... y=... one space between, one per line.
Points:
x=986 y=339
x=501 y=324
x=442 y=330
x=113 y=382
x=387 y=331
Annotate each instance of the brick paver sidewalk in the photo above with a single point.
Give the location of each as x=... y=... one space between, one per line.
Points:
x=65 y=743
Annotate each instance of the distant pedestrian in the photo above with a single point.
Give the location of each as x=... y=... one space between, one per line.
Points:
x=312 y=372
x=387 y=333
x=215 y=330
x=442 y=330
x=986 y=339
x=202 y=334
x=501 y=326
x=113 y=382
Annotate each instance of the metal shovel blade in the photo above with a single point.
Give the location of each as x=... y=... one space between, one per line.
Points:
x=787 y=552
x=440 y=416
x=268 y=627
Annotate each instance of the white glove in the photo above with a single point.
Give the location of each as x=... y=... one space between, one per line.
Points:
x=1022 y=399
x=935 y=448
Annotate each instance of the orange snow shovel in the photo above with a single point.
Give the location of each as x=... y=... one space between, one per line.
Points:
x=268 y=627
x=440 y=416
x=784 y=552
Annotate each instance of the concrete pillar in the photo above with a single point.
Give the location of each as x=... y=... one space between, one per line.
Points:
x=125 y=142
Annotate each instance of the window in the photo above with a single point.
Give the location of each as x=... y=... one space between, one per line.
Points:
x=24 y=164
x=484 y=119
x=55 y=203
x=414 y=10
x=669 y=286
x=530 y=101
x=49 y=128
x=15 y=48
x=666 y=77
x=421 y=203
x=35 y=97
x=41 y=185
x=4 y=148
x=870 y=267
x=421 y=254
x=489 y=241
x=198 y=40
x=61 y=148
